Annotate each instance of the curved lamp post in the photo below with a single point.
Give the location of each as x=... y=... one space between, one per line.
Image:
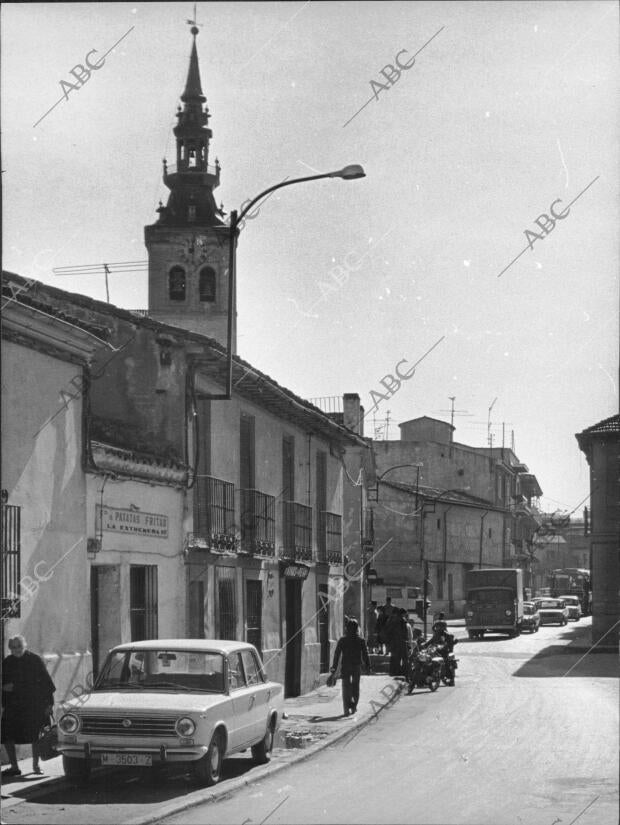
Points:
x=425 y=571
x=351 y=172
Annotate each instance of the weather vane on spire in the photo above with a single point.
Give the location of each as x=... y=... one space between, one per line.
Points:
x=194 y=23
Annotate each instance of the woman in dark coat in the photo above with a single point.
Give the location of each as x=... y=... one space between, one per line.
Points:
x=27 y=701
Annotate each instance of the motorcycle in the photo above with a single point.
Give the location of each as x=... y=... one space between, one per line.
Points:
x=425 y=669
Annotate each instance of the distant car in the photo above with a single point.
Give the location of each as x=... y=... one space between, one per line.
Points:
x=573 y=605
x=531 y=617
x=552 y=611
x=171 y=701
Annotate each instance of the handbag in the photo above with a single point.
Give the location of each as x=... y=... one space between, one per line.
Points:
x=48 y=740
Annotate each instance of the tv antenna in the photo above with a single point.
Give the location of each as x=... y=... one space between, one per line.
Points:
x=117 y=268
x=452 y=411
x=489 y=434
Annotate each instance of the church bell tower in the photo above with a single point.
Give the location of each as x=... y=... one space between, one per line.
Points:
x=188 y=245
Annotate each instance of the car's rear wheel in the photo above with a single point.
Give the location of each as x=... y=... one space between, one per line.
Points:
x=262 y=752
x=76 y=770
x=208 y=770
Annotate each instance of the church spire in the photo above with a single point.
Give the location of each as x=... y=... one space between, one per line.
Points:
x=188 y=275
x=192 y=179
x=193 y=89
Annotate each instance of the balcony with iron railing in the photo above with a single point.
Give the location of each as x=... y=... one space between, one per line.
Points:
x=214 y=516
x=258 y=523
x=329 y=539
x=296 y=531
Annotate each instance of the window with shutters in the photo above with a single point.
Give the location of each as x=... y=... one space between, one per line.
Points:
x=246 y=452
x=321 y=505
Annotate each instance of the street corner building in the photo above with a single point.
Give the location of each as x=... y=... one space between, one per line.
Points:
x=601 y=445
x=438 y=509
x=140 y=499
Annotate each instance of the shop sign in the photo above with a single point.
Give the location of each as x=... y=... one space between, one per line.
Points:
x=132 y=522
x=293 y=571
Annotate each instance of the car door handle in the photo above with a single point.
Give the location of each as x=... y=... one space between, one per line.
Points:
x=252 y=700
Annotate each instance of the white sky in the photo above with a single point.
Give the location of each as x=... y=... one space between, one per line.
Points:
x=511 y=106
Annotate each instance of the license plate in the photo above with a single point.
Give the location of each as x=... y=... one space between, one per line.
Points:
x=127 y=759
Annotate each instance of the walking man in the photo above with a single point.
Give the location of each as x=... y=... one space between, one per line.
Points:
x=354 y=652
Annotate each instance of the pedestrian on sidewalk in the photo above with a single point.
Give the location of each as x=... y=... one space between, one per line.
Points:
x=400 y=640
x=380 y=628
x=27 y=702
x=371 y=627
x=354 y=652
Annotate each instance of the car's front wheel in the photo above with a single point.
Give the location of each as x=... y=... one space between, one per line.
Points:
x=76 y=770
x=208 y=770
x=262 y=752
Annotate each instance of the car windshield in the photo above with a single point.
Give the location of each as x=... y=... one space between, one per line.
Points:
x=162 y=669
x=551 y=604
x=529 y=609
x=572 y=600
x=490 y=596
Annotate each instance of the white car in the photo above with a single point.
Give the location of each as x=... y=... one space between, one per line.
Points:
x=552 y=611
x=172 y=700
x=573 y=605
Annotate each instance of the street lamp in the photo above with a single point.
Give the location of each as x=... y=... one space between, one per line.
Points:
x=351 y=172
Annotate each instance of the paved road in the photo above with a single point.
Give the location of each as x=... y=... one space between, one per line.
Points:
x=522 y=738
x=516 y=741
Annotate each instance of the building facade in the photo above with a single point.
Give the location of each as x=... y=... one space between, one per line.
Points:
x=45 y=365
x=206 y=517
x=601 y=445
x=446 y=507
x=204 y=513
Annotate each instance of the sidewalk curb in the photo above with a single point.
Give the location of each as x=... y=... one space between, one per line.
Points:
x=267 y=770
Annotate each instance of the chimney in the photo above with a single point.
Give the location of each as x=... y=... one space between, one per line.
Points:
x=353 y=412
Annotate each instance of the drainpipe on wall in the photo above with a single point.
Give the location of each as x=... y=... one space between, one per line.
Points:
x=445 y=542
x=482 y=518
x=310 y=471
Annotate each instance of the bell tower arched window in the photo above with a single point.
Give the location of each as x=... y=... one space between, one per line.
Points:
x=206 y=284
x=176 y=284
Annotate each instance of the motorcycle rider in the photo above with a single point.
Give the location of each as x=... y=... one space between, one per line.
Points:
x=444 y=645
x=441 y=626
x=413 y=660
x=440 y=622
x=439 y=641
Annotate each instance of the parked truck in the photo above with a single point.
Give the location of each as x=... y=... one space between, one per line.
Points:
x=494 y=601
